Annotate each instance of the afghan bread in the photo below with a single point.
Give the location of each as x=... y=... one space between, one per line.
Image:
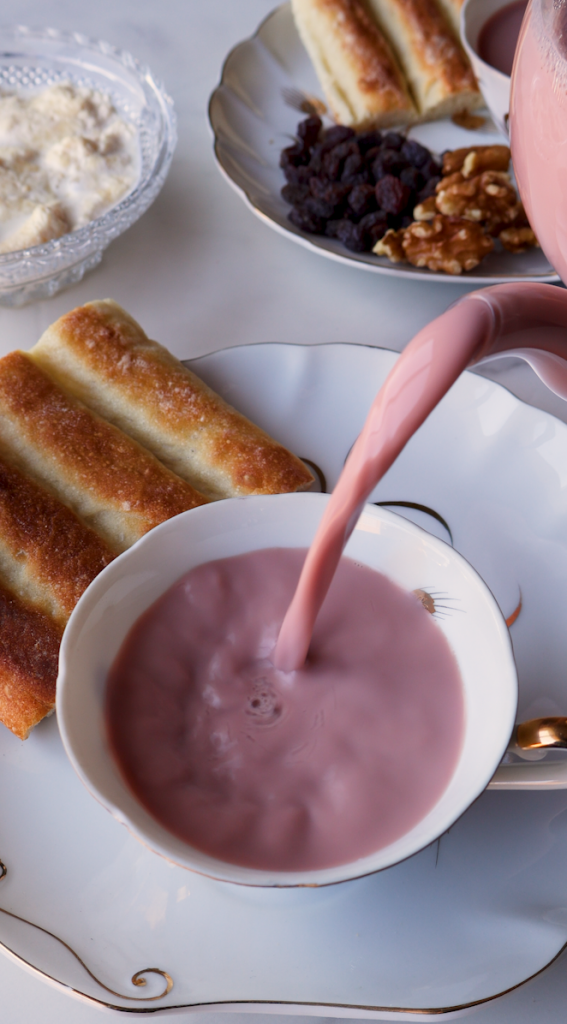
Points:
x=47 y=555
x=439 y=75
x=109 y=481
x=101 y=354
x=29 y=654
x=358 y=72
x=452 y=9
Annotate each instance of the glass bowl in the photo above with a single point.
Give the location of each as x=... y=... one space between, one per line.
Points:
x=31 y=59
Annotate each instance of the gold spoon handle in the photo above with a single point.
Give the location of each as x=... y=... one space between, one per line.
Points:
x=541 y=732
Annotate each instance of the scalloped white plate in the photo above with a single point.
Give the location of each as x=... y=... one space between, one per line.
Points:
x=462 y=922
x=251 y=124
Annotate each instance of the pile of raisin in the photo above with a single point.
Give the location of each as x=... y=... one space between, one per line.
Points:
x=354 y=187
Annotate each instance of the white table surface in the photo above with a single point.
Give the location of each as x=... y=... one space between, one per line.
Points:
x=201 y=273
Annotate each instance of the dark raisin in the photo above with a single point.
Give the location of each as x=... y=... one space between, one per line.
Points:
x=293 y=156
x=299 y=175
x=295 y=194
x=316 y=158
x=362 y=199
x=318 y=207
x=334 y=160
x=406 y=221
x=393 y=141
x=331 y=166
x=338 y=133
x=331 y=228
x=411 y=177
x=388 y=161
x=415 y=153
x=358 y=179
x=351 y=235
x=333 y=192
x=306 y=221
x=368 y=140
x=308 y=130
x=428 y=190
x=354 y=165
x=374 y=226
x=371 y=155
x=430 y=169
x=392 y=195
x=346 y=149
x=346 y=212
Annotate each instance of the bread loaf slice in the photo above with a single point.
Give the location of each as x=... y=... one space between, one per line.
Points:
x=29 y=654
x=437 y=70
x=47 y=559
x=101 y=354
x=108 y=480
x=47 y=555
x=359 y=74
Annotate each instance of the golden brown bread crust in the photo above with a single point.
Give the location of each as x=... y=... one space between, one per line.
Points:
x=452 y=10
x=46 y=554
x=355 y=64
x=104 y=357
x=29 y=653
x=104 y=476
x=439 y=74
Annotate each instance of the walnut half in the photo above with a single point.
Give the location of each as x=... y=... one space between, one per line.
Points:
x=476 y=159
x=450 y=244
x=517 y=239
x=488 y=198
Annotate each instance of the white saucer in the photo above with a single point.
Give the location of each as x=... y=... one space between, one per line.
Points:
x=462 y=922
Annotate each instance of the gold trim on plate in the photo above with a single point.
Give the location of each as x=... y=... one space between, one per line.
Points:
x=138 y=978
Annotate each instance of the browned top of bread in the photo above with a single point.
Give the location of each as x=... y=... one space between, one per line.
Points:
x=83 y=457
x=354 y=61
x=44 y=548
x=433 y=43
x=103 y=355
x=29 y=653
x=452 y=9
x=440 y=48
x=362 y=38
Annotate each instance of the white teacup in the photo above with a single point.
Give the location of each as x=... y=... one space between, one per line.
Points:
x=494 y=85
x=477 y=634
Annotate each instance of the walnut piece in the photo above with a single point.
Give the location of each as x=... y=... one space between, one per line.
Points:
x=390 y=245
x=425 y=210
x=476 y=159
x=489 y=198
x=464 y=119
x=450 y=244
x=454 y=229
x=517 y=239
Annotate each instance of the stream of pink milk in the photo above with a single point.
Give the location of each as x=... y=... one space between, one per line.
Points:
x=529 y=320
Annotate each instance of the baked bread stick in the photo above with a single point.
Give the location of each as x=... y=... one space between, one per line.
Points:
x=452 y=10
x=103 y=356
x=437 y=70
x=109 y=481
x=358 y=72
x=47 y=555
x=29 y=654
